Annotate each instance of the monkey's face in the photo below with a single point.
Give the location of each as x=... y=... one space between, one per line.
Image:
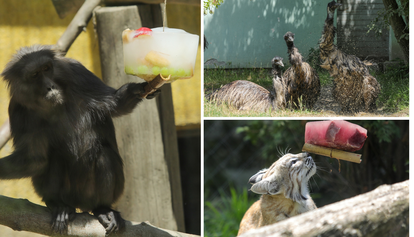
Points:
x=32 y=82
x=39 y=78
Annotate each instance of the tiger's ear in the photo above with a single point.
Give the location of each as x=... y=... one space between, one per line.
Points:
x=257 y=177
x=266 y=187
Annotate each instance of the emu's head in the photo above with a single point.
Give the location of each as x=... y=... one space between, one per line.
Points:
x=289 y=37
x=332 y=6
x=288 y=176
x=277 y=62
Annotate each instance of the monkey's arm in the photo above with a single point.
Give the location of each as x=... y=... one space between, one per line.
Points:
x=20 y=165
x=128 y=96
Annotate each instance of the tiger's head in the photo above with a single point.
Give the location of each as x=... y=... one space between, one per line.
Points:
x=288 y=176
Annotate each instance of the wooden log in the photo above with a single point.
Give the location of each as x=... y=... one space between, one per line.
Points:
x=148 y=192
x=22 y=215
x=381 y=212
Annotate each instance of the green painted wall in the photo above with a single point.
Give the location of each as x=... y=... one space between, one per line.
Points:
x=249 y=33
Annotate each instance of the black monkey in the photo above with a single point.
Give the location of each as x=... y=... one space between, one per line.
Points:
x=63 y=134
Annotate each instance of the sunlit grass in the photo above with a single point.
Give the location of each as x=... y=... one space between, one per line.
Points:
x=393 y=100
x=211 y=109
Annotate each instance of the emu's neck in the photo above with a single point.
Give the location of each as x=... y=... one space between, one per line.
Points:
x=276 y=72
x=326 y=42
x=330 y=17
x=295 y=58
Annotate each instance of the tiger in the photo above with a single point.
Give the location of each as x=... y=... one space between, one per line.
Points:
x=284 y=189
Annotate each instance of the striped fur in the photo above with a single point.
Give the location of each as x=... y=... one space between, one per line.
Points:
x=354 y=87
x=302 y=81
x=284 y=189
x=246 y=95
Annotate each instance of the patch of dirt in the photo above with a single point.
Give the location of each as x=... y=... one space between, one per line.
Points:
x=326 y=102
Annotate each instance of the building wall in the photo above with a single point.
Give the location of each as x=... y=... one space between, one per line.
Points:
x=250 y=33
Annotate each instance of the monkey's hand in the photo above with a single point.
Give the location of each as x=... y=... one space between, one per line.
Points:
x=153 y=94
x=128 y=96
x=110 y=219
x=141 y=88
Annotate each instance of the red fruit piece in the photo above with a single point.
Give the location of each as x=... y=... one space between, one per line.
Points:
x=341 y=135
x=142 y=31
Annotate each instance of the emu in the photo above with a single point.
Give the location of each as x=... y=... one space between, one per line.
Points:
x=301 y=80
x=246 y=95
x=354 y=88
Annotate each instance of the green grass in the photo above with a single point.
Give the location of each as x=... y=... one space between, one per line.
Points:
x=211 y=109
x=222 y=217
x=394 y=88
x=393 y=99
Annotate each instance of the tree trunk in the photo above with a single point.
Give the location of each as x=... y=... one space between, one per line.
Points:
x=399 y=27
x=381 y=212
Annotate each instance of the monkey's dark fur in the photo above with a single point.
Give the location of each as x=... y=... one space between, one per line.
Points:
x=301 y=80
x=354 y=88
x=246 y=95
x=63 y=134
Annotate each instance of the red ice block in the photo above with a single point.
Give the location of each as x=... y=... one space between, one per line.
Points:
x=339 y=134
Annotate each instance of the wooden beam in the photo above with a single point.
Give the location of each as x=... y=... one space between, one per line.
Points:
x=148 y=193
x=189 y=2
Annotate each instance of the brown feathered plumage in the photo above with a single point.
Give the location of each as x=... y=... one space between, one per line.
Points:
x=354 y=87
x=302 y=81
x=246 y=95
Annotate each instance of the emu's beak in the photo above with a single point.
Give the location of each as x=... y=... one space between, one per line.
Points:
x=280 y=63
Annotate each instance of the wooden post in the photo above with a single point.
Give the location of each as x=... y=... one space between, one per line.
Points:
x=145 y=138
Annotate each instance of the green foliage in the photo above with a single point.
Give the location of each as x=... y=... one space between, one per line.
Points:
x=394 y=88
x=209 y=5
x=382 y=21
x=222 y=218
x=274 y=136
x=384 y=130
x=314 y=60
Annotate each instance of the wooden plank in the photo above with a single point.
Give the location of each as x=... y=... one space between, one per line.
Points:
x=147 y=195
x=150 y=15
x=169 y=132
